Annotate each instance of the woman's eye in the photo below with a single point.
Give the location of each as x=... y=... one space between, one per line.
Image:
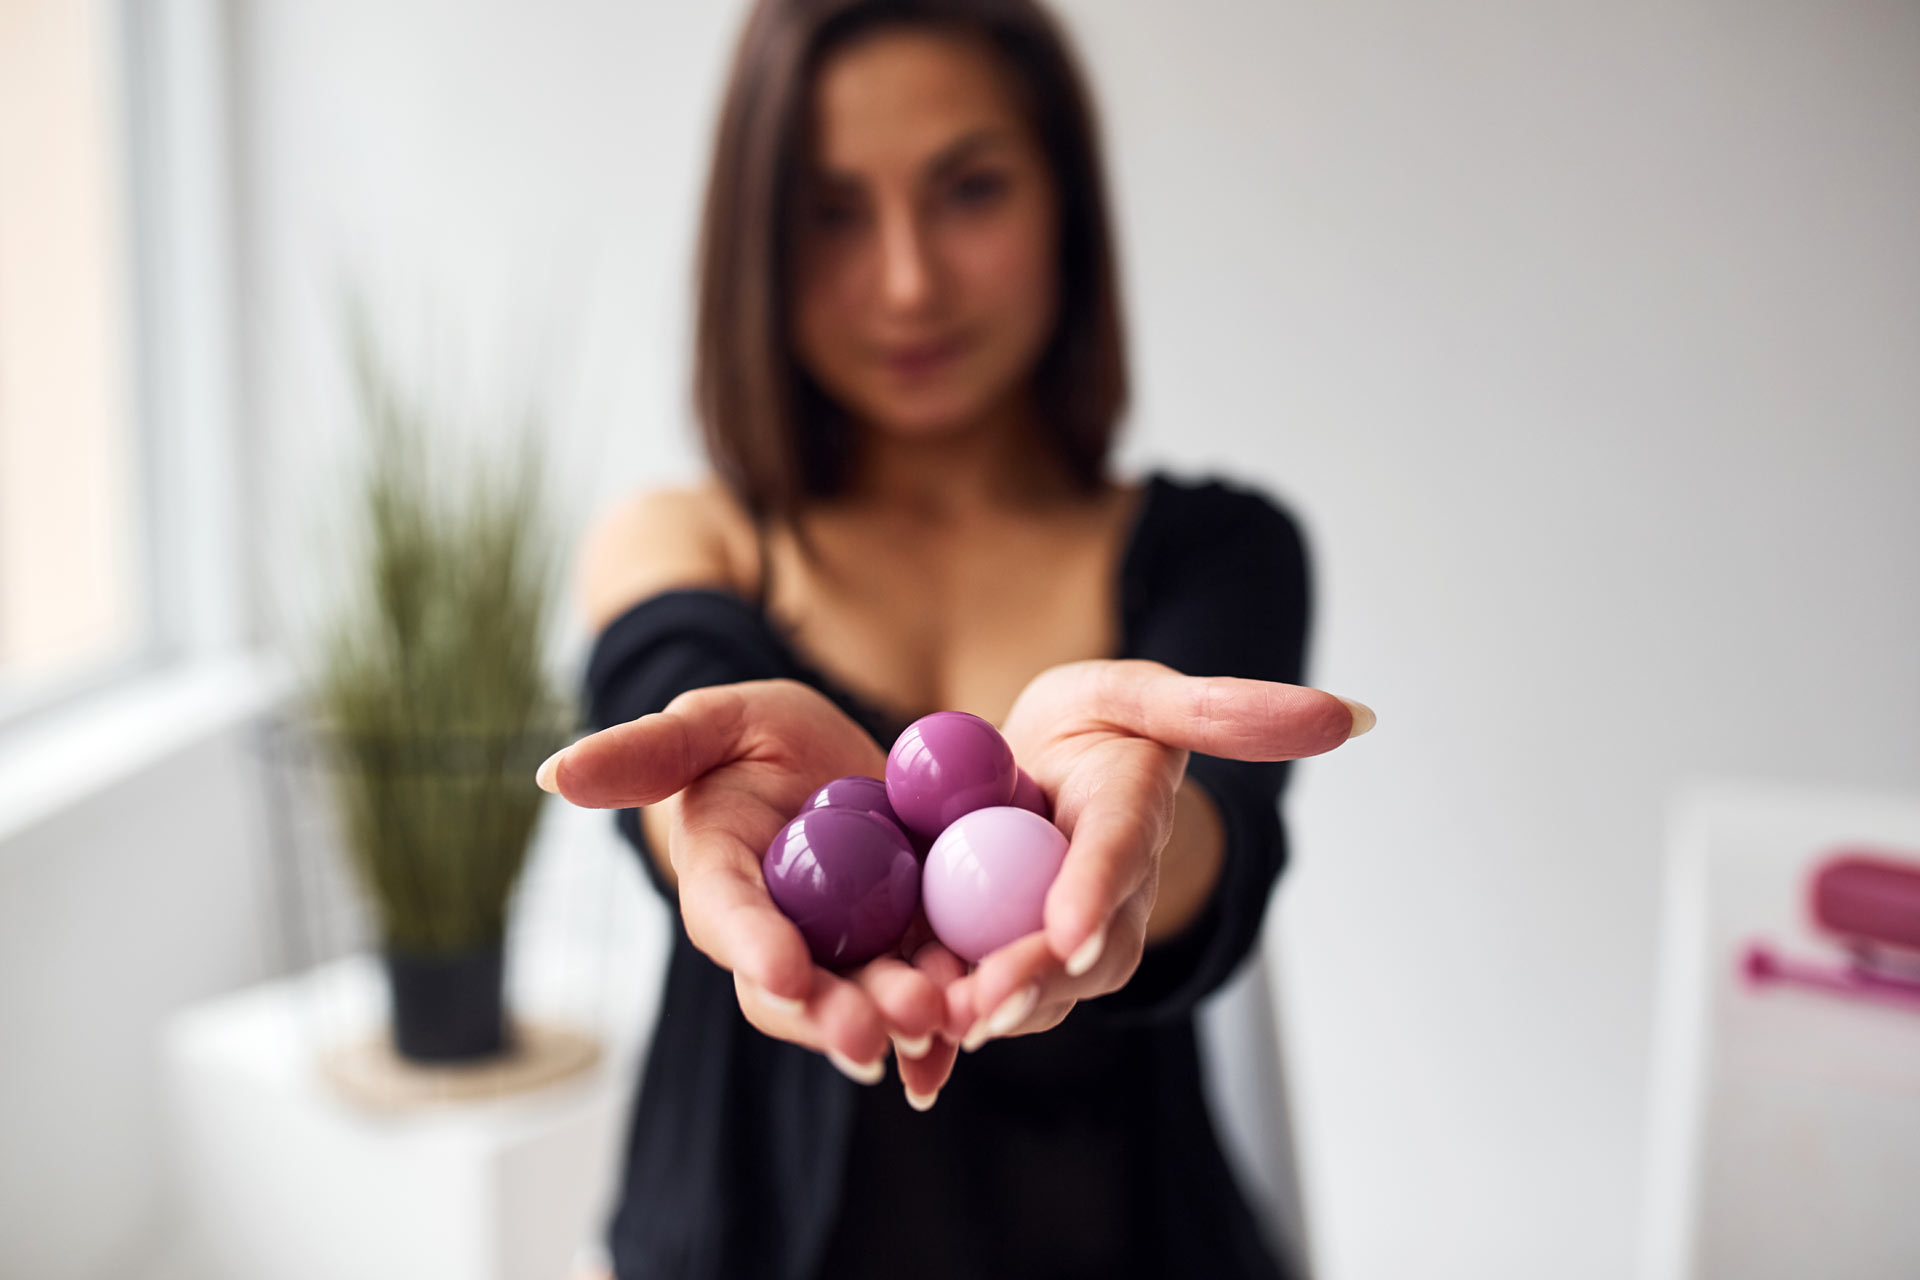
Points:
x=976 y=190
x=835 y=215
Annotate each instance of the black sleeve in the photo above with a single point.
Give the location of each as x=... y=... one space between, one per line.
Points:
x=1224 y=591
x=660 y=648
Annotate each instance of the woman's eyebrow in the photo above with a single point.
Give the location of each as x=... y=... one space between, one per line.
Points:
x=964 y=148
x=950 y=157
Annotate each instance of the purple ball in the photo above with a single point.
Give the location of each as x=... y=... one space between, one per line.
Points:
x=944 y=765
x=1028 y=795
x=855 y=792
x=848 y=879
x=987 y=877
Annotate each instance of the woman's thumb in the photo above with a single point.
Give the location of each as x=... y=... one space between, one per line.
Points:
x=646 y=760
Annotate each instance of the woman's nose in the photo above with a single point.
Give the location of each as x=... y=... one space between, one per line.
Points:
x=907 y=279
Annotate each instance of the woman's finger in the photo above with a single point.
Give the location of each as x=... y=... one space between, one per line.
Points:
x=1009 y=987
x=925 y=1074
x=1022 y=987
x=853 y=1031
x=837 y=1020
x=1116 y=836
x=646 y=760
x=730 y=918
x=1224 y=715
x=913 y=1008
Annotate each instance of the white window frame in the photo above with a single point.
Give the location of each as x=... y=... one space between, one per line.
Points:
x=172 y=76
x=200 y=667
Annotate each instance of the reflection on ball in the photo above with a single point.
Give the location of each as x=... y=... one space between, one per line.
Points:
x=855 y=792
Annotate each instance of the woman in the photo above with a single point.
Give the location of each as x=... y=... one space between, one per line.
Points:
x=909 y=368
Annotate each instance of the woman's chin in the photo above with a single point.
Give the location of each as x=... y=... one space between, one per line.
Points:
x=924 y=419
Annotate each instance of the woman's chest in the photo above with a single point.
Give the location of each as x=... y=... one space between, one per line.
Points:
x=924 y=620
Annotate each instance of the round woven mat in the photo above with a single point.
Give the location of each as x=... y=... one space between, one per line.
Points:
x=369 y=1072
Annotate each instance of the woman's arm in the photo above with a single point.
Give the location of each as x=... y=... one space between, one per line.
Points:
x=706 y=750
x=665 y=540
x=662 y=541
x=1167 y=772
x=1189 y=865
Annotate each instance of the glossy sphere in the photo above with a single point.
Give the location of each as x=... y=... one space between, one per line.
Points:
x=848 y=879
x=1028 y=795
x=944 y=765
x=855 y=792
x=987 y=878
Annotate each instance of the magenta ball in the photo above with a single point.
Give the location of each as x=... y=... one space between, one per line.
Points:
x=855 y=792
x=987 y=877
x=1028 y=795
x=944 y=765
x=848 y=879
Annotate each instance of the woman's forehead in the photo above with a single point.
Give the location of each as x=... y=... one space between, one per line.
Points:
x=900 y=101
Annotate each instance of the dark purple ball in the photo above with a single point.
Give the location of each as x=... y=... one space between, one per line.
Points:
x=848 y=879
x=855 y=792
x=945 y=765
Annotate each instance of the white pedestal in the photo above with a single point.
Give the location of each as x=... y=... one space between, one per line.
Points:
x=278 y=1178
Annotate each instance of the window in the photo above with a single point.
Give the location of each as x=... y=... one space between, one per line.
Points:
x=70 y=517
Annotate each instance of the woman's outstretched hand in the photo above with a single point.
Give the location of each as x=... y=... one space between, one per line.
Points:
x=734 y=763
x=1108 y=741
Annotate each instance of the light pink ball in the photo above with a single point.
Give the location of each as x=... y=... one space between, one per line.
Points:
x=987 y=876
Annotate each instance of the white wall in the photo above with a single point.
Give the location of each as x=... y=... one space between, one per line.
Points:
x=1585 y=339
x=113 y=913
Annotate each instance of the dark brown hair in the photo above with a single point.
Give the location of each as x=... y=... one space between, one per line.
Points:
x=772 y=434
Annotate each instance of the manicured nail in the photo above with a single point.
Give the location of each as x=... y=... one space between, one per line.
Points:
x=976 y=1036
x=1088 y=955
x=781 y=1004
x=1363 y=717
x=912 y=1048
x=547 y=776
x=922 y=1101
x=858 y=1072
x=1013 y=1011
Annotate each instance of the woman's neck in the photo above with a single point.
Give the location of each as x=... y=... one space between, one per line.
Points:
x=1001 y=461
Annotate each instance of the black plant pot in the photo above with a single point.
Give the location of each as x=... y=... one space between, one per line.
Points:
x=448 y=1006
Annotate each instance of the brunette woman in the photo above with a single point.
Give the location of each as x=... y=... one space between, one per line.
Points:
x=909 y=371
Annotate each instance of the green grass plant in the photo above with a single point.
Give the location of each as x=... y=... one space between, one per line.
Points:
x=432 y=696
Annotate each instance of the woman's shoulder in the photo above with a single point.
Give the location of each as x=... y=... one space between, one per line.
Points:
x=1210 y=512
x=665 y=539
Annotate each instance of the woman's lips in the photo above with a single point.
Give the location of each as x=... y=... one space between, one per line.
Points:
x=912 y=360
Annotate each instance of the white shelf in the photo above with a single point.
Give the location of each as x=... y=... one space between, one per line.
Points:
x=281 y=1179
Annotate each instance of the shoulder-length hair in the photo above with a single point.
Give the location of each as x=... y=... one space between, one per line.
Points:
x=772 y=434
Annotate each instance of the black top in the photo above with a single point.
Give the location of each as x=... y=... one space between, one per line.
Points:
x=1085 y=1150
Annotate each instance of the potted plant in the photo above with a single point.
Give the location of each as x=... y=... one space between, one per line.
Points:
x=432 y=703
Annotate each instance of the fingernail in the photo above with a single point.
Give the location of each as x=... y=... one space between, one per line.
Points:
x=1363 y=717
x=922 y=1101
x=858 y=1072
x=1088 y=954
x=976 y=1036
x=912 y=1048
x=782 y=1004
x=546 y=777
x=1013 y=1011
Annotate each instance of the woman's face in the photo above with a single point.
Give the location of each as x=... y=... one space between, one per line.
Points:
x=925 y=278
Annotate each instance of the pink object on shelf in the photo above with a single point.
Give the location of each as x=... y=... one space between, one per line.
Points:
x=1869 y=902
x=1763 y=966
x=1870 y=899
